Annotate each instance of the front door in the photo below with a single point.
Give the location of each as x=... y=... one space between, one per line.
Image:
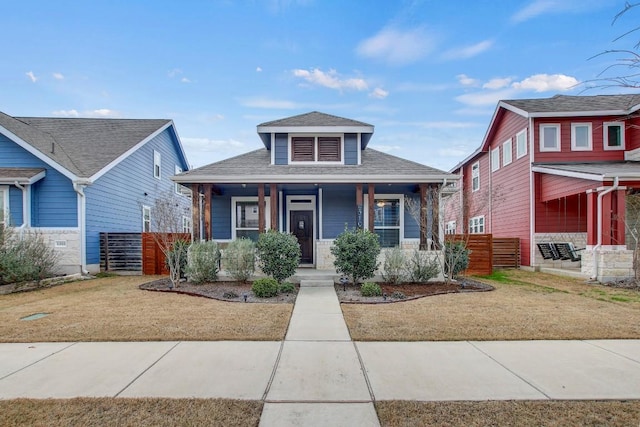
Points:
x=302 y=227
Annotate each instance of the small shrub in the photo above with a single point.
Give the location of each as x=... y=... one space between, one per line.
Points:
x=265 y=287
x=287 y=288
x=240 y=259
x=25 y=257
x=394 y=266
x=370 y=289
x=422 y=267
x=356 y=253
x=278 y=254
x=456 y=258
x=398 y=295
x=229 y=295
x=203 y=262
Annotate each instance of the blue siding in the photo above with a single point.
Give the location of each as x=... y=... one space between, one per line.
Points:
x=350 y=149
x=115 y=200
x=54 y=202
x=15 y=206
x=221 y=217
x=282 y=148
x=338 y=210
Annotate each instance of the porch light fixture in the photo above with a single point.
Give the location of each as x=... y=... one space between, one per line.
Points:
x=380 y=203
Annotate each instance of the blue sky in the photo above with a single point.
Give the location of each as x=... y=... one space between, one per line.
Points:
x=427 y=74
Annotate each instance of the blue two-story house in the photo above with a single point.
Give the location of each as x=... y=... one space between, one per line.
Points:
x=71 y=178
x=315 y=177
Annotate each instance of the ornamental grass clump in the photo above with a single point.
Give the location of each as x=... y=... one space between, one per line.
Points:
x=278 y=254
x=240 y=259
x=394 y=267
x=203 y=262
x=422 y=267
x=356 y=253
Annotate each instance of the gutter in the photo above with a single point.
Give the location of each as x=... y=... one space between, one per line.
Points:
x=78 y=187
x=596 y=248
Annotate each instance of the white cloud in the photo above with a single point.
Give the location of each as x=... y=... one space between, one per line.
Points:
x=379 y=93
x=330 y=79
x=202 y=151
x=536 y=8
x=185 y=80
x=546 y=83
x=98 y=113
x=269 y=103
x=31 y=76
x=258 y=69
x=58 y=76
x=497 y=83
x=468 y=51
x=465 y=80
x=398 y=47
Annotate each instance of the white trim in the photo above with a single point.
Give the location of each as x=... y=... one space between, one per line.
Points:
x=127 y=153
x=157 y=162
x=495 y=159
x=473 y=188
x=507 y=149
x=589 y=146
x=376 y=196
x=541 y=128
x=315 y=129
x=317 y=179
x=272 y=136
x=311 y=206
x=4 y=193
x=320 y=222
x=22 y=180
x=176 y=186
x=316 y=147
x=479 y=222
x=358 y=148
x=267 y=212
x=519 y=154
x=605 y=136
x=146 y=208
x=570 y=174
x=532 y=193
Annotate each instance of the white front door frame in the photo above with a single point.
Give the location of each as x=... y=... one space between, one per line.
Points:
x=302 y=203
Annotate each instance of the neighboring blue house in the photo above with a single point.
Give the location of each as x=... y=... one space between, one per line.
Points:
x=72 y=178
x=315 y=177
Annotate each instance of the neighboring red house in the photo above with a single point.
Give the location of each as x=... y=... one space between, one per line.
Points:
x=556 y=170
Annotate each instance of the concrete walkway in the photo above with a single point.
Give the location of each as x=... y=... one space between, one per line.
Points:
x=317 y=375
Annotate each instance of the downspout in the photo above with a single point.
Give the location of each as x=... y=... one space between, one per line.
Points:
x=24 y=204
x=441 y=219
x=596 y=248
x=79 y=188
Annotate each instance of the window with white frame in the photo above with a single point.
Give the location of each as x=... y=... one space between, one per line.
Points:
x=495 y=159
x=581 y=137
x=156 y=164
x=186 y=224
x=521 y=143
x=507 y=153
x=388 y=219
x=476 y=225
x=4 y=206
x=245 y=217
x=179 y=188
x=613 y=135
x=450 y=227
x=550 y=137
x=146 y=219
x=475 y=176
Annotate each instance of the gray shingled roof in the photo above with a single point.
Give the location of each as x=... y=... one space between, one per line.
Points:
x=18 y=174
x=314 y=118
x=82 y=146
x=564 y=103
x=255 y=166
x=597 y=171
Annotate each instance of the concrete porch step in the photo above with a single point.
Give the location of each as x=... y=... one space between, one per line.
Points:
x=308 y=283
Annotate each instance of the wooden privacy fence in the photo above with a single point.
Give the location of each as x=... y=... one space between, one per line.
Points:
x=488 y=252
x=133 y=252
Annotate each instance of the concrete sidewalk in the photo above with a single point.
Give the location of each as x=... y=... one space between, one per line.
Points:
x=318 y=376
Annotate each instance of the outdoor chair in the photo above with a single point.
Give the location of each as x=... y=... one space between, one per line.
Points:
x=548 y=251
x=568 y=252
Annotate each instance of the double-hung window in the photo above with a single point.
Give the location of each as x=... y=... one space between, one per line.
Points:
x=475 y=176
x=146 y=219
x=581 y=137
x=476 y=225
x=388 y=212
x=186 y=224
x=521 y=143
x=245 y=217
x=450 y=227
x=613 y=135
x=495 y=159
x=507 y=154
x=156 y=164
x=550 y=137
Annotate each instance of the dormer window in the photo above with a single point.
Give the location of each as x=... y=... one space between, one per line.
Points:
x=316 y=149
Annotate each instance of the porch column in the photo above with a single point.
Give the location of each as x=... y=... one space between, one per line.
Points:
x=435 y=221
x=592 y=217
x=359 y=207
x=372 y=203
x=423 y=217
x=619 y=218
x=613 y=207
x=195 y=213
x=208 y=190
x=261 y=213
x=273 y=194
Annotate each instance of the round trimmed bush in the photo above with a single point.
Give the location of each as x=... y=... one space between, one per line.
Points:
x=370 y=289
x=287 y=288
x=265 y=288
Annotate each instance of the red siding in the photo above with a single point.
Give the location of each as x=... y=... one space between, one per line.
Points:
x=555 y=186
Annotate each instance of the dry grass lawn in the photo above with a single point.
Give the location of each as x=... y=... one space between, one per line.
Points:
x=129 y=412
x=114 y=309
x=523 y=306
x=512 y=413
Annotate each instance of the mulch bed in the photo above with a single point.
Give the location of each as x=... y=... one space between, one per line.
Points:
x=236 y=291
